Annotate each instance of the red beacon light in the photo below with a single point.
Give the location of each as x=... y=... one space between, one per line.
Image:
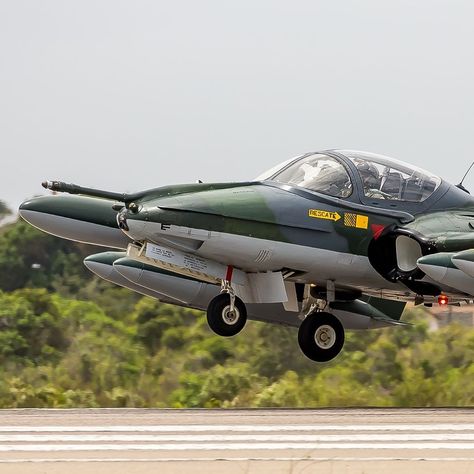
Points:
x=443 y=300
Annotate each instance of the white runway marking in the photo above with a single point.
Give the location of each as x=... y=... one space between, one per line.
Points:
x=231 y=459
x=35 y=438
x=251 y=437
x=239 y=428
x=230 y=446
x=232 y=438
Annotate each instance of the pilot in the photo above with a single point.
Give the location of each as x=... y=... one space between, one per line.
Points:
x=370 y=178
x=330 y=178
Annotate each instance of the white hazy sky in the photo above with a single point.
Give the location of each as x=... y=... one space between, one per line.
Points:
x=126 y=95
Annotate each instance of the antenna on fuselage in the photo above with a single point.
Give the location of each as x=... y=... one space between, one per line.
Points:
x=460 y=186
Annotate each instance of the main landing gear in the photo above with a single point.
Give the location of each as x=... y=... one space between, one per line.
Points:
x=321 y=336
x=226 y=313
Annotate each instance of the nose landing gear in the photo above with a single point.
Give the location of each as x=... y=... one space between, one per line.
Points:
x=226 y=313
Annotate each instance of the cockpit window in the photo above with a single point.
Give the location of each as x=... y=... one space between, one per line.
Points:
x=385 y=178
x=318 y=172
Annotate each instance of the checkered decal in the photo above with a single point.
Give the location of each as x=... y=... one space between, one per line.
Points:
x=350 y=219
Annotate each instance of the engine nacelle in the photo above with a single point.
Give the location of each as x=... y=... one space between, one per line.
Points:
x=395 y=253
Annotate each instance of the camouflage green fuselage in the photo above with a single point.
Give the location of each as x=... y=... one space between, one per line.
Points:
x=317 y=236
x=263 y=211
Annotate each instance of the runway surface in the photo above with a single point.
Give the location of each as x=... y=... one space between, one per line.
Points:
x=237 y=441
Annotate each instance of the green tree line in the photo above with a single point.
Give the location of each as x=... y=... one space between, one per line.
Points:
x=4 y=210
x=69 y=339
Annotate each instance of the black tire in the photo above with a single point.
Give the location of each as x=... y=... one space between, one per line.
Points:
x=321 y=337
x=219 y=318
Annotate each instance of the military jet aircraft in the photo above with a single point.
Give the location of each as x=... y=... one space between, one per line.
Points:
x=326 y=242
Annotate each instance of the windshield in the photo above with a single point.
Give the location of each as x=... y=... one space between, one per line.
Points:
x=386 y=178
x=317 y=172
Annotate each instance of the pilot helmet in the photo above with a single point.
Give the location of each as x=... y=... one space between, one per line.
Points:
x=369 y=174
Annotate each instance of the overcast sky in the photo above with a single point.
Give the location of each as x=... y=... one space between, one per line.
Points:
x=131 y=95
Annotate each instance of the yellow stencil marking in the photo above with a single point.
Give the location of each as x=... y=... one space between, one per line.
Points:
x=356 y=220
x=320 y=214
x=362 y=222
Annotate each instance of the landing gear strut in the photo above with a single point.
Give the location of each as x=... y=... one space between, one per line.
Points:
x=226 y=313
x=321 y=336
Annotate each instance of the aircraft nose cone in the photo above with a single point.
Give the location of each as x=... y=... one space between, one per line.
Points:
x=45 y=212
x=32 y=209
x=80 y=218
x=27 y=205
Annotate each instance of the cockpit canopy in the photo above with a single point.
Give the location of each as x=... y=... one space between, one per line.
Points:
x=386 y=178
x=318 y=172
x=381 y=177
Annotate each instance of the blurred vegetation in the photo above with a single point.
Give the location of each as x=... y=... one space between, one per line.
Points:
x=69 y=339
x=4 y=210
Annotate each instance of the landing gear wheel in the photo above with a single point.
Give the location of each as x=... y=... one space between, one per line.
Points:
x=222 y=320
x=321 y=337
